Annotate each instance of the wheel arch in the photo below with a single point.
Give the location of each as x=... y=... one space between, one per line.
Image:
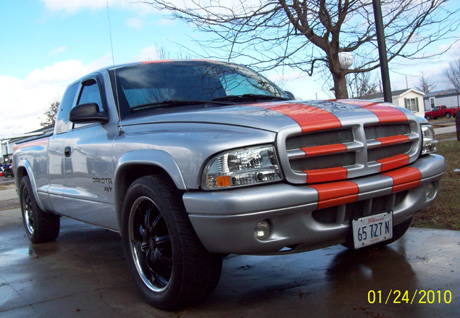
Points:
x=136 y=164
x=24 y=168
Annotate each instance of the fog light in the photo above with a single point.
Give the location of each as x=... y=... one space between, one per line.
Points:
x=431 y=191
x=262 y=230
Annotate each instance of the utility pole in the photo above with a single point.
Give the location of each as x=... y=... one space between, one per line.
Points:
x=382 y=51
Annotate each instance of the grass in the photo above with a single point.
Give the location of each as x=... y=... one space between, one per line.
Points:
x=444 y=212
x=442 y=121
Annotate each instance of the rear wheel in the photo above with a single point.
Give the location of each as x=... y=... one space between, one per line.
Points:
x=40 y=226
x=448 y=115
x=169 y=264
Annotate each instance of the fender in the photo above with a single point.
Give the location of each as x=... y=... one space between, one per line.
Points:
x=25 y=164
x=145 y=157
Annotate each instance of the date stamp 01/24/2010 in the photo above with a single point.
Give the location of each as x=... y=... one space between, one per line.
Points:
x=396 y=296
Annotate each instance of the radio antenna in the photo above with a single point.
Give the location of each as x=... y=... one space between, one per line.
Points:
x=117 y=100
x=110 y=32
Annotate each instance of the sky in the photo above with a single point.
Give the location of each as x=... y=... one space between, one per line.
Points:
x=47 y=44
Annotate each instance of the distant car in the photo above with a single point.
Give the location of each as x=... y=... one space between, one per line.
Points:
x=441 y=111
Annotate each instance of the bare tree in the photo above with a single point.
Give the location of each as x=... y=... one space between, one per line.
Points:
x=424 y=85
x=452 y=74
x=361 y=84
x=311 y=34
x=50 y=114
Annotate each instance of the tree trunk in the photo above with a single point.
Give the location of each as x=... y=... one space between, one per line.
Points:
x=340 y=86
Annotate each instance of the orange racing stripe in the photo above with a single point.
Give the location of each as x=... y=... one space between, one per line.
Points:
x=393 y=162
x=391 y=140
x=308 y=117
x=404 y=178
x=336 y=193
x=324 y=150
x=326 y=175
x=384 y=112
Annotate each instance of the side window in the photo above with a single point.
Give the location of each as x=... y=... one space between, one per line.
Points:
x=89 y=94
x=62 y=119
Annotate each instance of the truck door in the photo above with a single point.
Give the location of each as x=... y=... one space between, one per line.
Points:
x=56 y=160
x=89 y=163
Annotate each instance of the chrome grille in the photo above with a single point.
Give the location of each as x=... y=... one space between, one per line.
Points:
x=319 y=139
x=386 y=152
x=323 y=162
x=373 y=132
x=349 y=152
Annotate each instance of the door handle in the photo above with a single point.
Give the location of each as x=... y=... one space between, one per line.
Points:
x=67 y=151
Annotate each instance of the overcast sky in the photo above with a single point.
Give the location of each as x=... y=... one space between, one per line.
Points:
x=46 y=44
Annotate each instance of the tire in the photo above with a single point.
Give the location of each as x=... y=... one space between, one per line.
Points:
x=448 y=115
x=167 y=261
x=398 y=231
x=428 y=117
x=40 y=226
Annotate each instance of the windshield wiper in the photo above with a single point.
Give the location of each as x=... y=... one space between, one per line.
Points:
x=175 y=103
x=249 y=97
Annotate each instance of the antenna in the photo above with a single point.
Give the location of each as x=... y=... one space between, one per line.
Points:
x=117 y=100
x=110 y=32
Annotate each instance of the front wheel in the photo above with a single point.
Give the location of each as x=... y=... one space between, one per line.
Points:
x=170 y=266
x=40 y=226
x=428 y=117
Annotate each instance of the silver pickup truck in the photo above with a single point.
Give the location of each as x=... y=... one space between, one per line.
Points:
x=192 y=160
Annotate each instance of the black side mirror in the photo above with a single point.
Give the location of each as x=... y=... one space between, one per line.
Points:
x=288 y=93
x=88 y=113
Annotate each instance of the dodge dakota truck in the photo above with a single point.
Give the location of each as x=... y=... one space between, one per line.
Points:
x=193 y=160
x=441 y=111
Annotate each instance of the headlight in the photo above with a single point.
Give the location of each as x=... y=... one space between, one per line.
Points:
x=241 y=167
x=429 y=143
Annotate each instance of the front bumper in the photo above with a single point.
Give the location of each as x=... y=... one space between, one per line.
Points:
x=225 y=221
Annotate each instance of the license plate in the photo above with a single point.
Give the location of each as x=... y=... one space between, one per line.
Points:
x=372 y=229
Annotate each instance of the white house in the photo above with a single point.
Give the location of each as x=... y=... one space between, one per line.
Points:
x=408 y=98
x=449 y=97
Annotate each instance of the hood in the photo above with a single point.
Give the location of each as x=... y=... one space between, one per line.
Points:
x=309 y=115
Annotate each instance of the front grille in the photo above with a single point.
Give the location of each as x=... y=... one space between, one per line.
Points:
x=319 y=139
x=323 y=162
x=342 y=214
x=387 y=152
x=351 y=151
x=374 y=132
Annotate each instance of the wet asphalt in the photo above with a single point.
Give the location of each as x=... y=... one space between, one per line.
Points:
x=83 y=274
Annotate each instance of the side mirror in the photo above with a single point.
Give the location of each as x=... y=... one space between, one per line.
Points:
x=88 y=113
x=288 y=93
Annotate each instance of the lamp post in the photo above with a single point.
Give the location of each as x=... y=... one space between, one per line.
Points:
x=345 y=60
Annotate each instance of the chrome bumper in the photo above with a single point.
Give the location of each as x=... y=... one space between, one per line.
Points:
x=225 y=221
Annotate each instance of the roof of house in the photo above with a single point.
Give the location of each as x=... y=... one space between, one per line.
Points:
x=446 y=92
x=395 y=93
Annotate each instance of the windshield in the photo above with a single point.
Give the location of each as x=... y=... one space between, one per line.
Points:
x=154 y=84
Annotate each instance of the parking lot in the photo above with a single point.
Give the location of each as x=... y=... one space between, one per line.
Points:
x=83 y=274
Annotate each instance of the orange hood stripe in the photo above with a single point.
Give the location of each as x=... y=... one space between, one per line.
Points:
x=308 y=117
